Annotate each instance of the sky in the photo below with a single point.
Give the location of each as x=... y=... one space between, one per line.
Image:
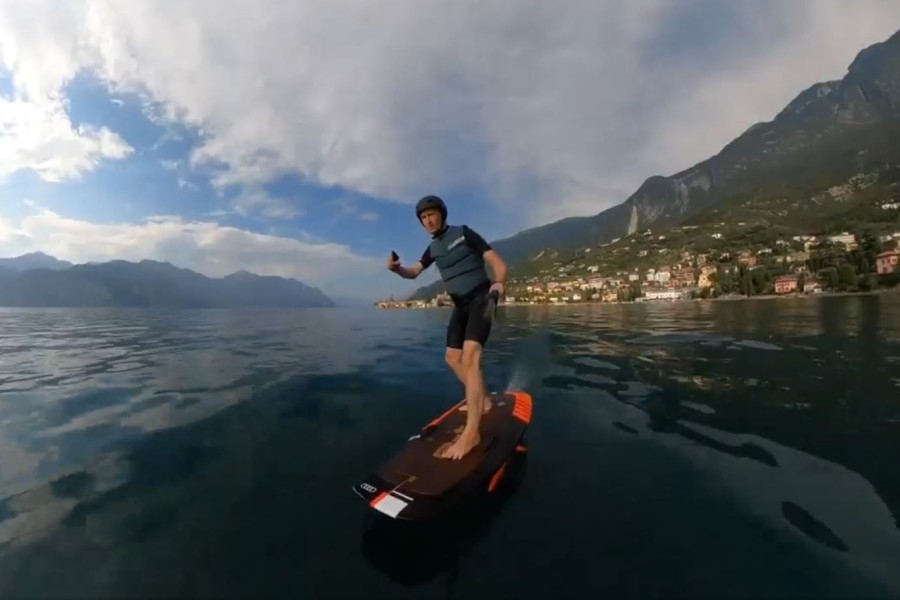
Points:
x=293 y=138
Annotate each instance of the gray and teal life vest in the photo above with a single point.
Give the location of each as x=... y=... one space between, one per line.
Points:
x=461 y=266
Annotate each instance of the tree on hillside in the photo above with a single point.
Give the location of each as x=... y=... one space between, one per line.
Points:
x=868 y=248
x=847 y=277
x=761 y=280
x=829 y=278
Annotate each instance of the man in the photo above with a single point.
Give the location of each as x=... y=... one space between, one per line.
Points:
x=460 y=255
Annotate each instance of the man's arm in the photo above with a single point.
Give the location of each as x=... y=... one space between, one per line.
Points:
x=414 y=271
x=478 y=243
x=410 y=272
x=498 y=266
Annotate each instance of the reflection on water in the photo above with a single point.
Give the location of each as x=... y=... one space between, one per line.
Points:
x=73 y=382
x=212 y=452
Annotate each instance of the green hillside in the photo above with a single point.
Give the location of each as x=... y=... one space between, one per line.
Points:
x=825 y=188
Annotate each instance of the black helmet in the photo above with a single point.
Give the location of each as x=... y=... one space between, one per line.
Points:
x=431 y=202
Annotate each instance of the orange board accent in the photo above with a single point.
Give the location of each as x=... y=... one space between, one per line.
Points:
x=522 y=409
x=445 y=415
x=378 y=499
x=496 y=478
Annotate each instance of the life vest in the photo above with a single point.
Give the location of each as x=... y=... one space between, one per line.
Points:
x=461 y=267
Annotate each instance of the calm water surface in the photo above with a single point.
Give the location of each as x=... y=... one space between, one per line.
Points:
x=693 y=450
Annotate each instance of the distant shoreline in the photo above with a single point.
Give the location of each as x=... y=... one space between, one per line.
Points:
x=793 y=296
x=163 y=307
x=735 y=298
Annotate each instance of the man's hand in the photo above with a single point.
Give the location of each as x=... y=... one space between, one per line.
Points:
x=412 y=272
x=393 y=262
x=499 y=288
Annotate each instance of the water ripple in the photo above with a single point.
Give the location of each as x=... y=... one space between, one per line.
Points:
x=151 y=446
x=114 y=372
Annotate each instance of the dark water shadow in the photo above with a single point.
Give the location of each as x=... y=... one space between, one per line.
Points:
x=664 y=410
x=804 y=429
x=819 y=400
x=800 y=518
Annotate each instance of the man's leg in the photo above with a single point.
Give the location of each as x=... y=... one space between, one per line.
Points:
x=456 y=333
x=475 y=402
x=453 y=357
x=476 y=333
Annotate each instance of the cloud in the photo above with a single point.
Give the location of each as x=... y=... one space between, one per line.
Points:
x=38 y=135
x=9 y=233
x=42 y=55
x=253 y=200
x=177 y=167
x=556 y=108
x=347 y=206
x=206 y=247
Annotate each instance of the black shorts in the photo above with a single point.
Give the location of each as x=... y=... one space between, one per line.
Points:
x=469 y=321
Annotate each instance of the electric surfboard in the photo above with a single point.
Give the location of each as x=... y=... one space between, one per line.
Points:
x=418 y=484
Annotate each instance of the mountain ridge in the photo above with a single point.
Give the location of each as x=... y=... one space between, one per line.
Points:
x=34 y=260
x=146 y=283
x=768 y=155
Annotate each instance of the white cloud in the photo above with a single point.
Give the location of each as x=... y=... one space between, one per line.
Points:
x=559 y=106
x=346 y=206
x=43 y=55
x=256 y=200
x=38 y=135
x=206 y=247
x=9 y=232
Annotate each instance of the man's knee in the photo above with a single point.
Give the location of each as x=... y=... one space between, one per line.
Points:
x=453 y=356
x=471 y=354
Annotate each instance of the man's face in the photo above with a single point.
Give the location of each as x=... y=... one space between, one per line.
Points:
x=431 y=220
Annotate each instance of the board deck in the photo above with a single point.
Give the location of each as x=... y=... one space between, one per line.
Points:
x=417 y=483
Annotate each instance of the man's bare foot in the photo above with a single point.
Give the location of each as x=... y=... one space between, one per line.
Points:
x=463 y=445
x=487 y=405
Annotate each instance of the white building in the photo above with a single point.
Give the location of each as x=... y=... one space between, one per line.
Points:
x=670 y=295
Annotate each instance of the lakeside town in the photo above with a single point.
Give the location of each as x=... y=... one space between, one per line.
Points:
x=791 y=267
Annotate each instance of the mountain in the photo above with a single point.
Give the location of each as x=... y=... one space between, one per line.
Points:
x=353 y=301
x=33 y=260
x=830 y=133
x=148 y=284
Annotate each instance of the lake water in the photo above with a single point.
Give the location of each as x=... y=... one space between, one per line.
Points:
x=704 y=449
